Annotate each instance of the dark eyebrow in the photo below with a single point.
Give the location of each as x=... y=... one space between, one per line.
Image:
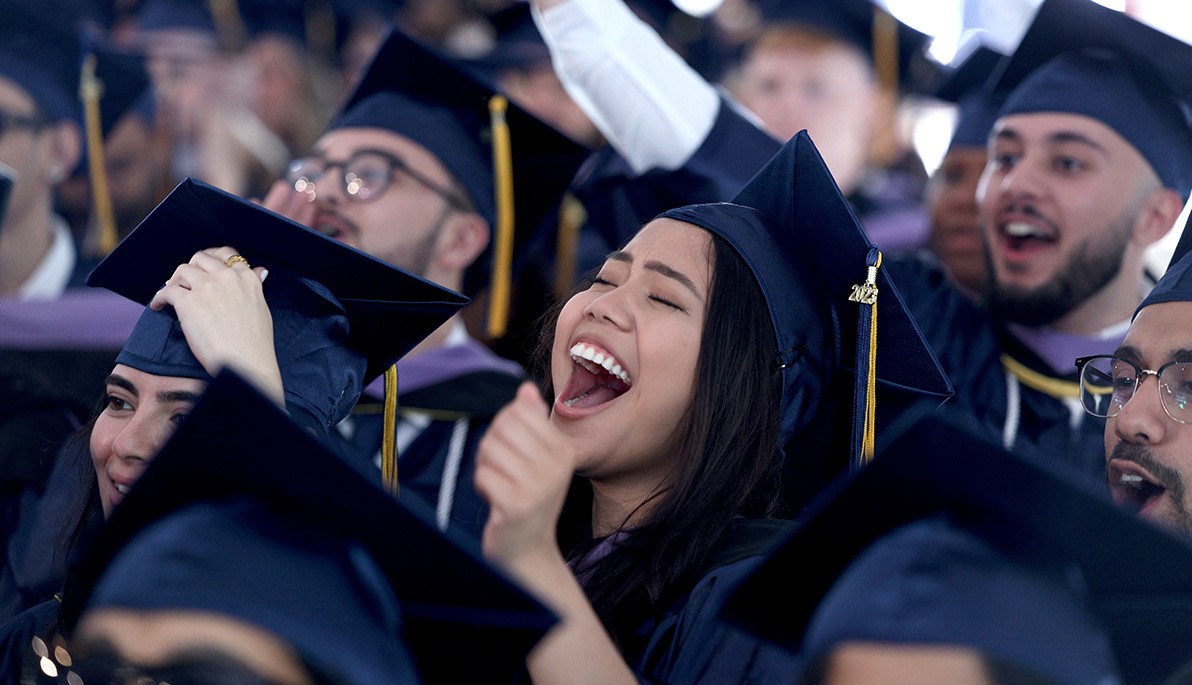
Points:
x=1182 y=355
x=1073 y=137
x=659 y=267
x=1128 y=352
x=177 y=396
x=121 y=382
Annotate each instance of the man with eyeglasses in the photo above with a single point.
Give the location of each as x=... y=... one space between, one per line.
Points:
x=406 y=174
x=1144 y=393
x=40 y=142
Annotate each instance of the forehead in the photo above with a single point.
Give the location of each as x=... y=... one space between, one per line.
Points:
x=1159 y=329
x=152 y=383
x=14 y=99
x=342 y=142
x=1048 y=127
x=682 y=246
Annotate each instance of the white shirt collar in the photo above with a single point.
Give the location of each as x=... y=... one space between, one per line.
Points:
x=49 y=279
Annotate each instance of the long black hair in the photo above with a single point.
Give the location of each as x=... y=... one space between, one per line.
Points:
x=728 y=461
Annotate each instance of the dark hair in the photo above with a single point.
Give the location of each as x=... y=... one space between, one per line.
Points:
x=727 y=465
x=85 y=511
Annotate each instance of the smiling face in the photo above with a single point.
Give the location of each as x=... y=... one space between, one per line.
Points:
x=625 y=354
x=141 y=412
x=1061 y=201
x=1148 y=454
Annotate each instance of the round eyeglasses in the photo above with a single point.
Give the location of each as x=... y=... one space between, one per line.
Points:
x=365 y=176
x=1107 y=383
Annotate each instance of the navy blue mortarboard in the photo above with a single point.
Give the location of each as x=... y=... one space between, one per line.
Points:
x=513 y=167
x=340 y=316
x=1081 y=58
x=806 y=248
x=158 y=15
x=893 y=47
x=1010 y=522
x=39 y=51
x=237 y=445
x=976 y=107
x=518 y=44
x=1176 y=283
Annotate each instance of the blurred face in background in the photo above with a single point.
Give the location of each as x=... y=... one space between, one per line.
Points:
x=794 y=78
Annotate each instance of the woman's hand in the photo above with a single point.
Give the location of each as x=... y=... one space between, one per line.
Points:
x=224 y=317
x=523 y=469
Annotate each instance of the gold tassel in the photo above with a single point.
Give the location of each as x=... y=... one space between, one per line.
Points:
x=90 y=92
x=868 y=446
x=502 y=267
x=572 y=216
x=885 y=48
x=228 y=24
x=389 y=433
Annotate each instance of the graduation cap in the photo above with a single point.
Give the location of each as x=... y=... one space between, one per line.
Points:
x=893 y=47
x=1024 y=526
x=462 y=620
x=219 y=18
x=112 y=83
x=1082 y=58
x=513 y=167
x=518 y=44
x=340 y=316
x=796 y=232
x=39 y=51
x=976 y=107
x=1176 y=283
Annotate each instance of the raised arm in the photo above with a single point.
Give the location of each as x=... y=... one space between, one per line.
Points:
x=220 y=304
x=653 y=108
x=523 y=468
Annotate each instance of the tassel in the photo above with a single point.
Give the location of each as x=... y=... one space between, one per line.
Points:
x=389 y=433
x=502 y=267
x=572 y=216
x=885 y=48
x=90 y=92
x=865 y=395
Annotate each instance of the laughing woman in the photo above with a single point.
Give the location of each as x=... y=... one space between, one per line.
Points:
x=706 y=344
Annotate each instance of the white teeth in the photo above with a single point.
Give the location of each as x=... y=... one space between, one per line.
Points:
x=1019 y=229
x=1132 y=479
x=122 y=489
x=582 y=353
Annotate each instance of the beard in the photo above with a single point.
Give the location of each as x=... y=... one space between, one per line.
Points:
x=1094 y=264
x=1169 y=478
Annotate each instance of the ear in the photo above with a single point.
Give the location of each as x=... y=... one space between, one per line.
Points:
x=65 y=149
x=463 y=238
x=1156 y=216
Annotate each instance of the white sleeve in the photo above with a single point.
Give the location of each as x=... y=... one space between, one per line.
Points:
x=652 y=107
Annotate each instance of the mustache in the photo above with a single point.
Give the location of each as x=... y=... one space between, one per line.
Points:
x=1139 y=454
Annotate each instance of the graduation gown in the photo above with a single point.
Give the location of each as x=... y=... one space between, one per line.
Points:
x=447 y=397
x=996 y=377
x=686 y=642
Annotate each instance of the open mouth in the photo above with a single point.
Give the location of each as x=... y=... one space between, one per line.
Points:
x=1133 y=486
x=1023 y=236
x=121 y=488
x=333 y=226
x=597 y=377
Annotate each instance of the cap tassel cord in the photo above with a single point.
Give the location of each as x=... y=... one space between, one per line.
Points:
x=502 y=279
x=389 y=433
x=90 y=92
x=885 y=48
x=865 y=401
x=572 y=216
